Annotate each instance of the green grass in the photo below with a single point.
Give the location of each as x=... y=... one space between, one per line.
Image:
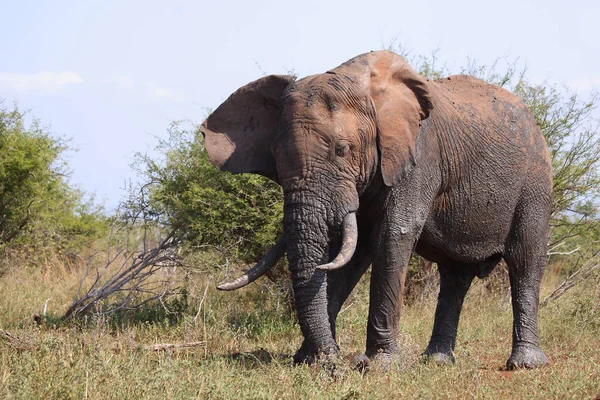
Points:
x=250 y=338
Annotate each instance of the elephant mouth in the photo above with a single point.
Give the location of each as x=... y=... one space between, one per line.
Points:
x=347 y=249
x=349 y=241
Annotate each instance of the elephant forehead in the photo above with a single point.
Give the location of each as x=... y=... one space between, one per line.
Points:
x=329 y=92
x=301 y=123
x=305 y=105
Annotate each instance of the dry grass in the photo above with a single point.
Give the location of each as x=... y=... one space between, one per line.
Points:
x=250 y=338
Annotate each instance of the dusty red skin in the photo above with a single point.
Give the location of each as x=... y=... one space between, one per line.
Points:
x=454 y=169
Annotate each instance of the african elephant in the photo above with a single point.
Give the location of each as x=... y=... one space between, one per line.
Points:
x=376 y=162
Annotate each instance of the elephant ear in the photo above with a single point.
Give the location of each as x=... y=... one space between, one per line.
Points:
x=401 y=98
x=239 y=133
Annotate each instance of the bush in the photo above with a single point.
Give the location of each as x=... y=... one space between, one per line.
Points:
x=239 y=215
x=38 y=208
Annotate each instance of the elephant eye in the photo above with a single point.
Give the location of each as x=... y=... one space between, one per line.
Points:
x=341 y=149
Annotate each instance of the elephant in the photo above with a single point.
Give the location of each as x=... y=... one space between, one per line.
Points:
x=376 y=162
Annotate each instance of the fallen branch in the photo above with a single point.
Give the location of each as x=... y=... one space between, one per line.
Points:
x=9 y=336
x=136 y=277
x=170 y=346
x=16 y=342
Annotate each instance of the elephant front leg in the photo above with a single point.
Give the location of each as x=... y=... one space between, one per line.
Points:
x=311 y=307
x=340 y=284
x=386 y=293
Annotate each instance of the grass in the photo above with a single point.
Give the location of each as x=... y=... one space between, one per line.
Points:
x=250 y=337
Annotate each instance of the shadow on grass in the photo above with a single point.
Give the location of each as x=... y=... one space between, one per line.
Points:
x=257 y=358
x=259 y=322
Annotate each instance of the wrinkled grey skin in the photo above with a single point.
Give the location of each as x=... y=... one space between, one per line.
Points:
x=453 y=169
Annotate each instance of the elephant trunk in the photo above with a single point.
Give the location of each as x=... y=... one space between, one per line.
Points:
x=307 y=247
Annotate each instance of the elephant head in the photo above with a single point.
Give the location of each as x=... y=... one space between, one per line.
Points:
x=325 y=139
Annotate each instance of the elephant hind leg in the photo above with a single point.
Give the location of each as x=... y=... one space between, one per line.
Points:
x=526 y=257
x=455 y=280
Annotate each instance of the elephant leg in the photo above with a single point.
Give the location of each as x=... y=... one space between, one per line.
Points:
x=385 y=301
x=339 y=285
x=526 y=259
x=341 y=282
x=455 y=280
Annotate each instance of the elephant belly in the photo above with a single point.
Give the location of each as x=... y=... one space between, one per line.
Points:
x=472 y=234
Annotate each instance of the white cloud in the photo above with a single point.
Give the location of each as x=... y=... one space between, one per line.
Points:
x=45 y=81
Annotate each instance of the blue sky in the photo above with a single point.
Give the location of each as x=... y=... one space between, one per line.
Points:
x=111 y=75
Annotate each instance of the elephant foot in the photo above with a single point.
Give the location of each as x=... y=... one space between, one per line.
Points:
x=378 y=362
x=307 y=355
x=526 y=356
x=440 y=359
x=360 y=362
x=382 y=362
x=438 y=354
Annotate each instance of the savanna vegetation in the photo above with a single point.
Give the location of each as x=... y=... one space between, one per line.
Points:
x=41 y=216
x=95 y=306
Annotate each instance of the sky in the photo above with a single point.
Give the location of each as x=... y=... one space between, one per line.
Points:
x=112 y=75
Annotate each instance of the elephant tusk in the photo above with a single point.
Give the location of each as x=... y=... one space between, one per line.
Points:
x=265 y=264
x=349 y=240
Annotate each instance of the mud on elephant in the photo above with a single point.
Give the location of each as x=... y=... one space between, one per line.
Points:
x=376 y=162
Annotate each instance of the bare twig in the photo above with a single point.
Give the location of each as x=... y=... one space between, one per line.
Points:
x=564 y=253
x=580 y=275
x=345 y=308
x=46 y=306
x=200 y=305
x=85 y=394
x=87 y=271
x=136 y=276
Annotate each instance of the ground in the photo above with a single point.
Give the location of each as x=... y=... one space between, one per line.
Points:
x=248 y=338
